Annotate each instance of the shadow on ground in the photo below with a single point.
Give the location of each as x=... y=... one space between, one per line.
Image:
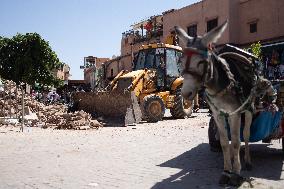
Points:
x=201 y=168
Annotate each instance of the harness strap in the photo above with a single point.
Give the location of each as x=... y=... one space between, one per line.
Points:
x=189 y=53
x=229 y=86
x=223 y=91
x=246 y=105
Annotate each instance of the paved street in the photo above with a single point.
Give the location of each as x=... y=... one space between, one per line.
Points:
x=172 y=154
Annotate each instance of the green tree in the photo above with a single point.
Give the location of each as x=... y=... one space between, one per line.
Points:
x=28 y=58
x=256 y=50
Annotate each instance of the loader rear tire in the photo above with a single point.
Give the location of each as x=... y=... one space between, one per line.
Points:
x=181 y=108
x=153 y=108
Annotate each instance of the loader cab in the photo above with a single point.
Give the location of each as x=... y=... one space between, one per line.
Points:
x=164 y=59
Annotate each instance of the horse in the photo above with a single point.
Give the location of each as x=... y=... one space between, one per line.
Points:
x=227 y=97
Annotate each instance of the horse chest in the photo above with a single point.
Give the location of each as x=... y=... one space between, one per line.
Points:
x=226 y=102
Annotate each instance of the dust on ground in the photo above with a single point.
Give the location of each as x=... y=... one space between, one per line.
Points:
x=170 y=154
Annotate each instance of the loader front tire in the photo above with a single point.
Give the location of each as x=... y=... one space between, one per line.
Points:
x=153 y=108
x=182 y=108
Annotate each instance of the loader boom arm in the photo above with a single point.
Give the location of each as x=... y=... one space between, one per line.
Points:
x=112 y=83
x=136 y=80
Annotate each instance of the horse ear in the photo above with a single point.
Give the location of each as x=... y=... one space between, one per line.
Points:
x=182 y=35
x=214 y=35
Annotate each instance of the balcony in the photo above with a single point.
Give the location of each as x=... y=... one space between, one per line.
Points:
x=145 y=30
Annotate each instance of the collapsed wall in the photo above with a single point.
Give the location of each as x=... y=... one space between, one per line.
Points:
x=39 y=114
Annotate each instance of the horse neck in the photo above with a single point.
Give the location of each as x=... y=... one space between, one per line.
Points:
x=220 y=79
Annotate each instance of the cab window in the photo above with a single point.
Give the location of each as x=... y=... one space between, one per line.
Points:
x=160 y=58
x=139 y=64
x=150 y=58
x=173 y=63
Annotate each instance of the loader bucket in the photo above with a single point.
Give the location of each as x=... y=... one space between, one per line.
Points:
x=111 y=105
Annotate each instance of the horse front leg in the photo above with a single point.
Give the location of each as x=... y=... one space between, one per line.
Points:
x=246 y=133
x=226 y=175
x=235 y=122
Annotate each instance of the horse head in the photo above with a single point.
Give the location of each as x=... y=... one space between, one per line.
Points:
x=196 y=59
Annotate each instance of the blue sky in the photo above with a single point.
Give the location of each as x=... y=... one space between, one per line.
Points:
x=78 y=28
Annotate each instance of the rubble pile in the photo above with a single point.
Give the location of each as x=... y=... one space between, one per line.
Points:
x=78 y=120
x=41 y=115
x=8 y=102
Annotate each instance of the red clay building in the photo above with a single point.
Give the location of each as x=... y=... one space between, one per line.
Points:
x=249 y=21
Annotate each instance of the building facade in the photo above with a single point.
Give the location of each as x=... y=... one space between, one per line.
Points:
x=91 y=64
x=63 y=73
x=250 y=21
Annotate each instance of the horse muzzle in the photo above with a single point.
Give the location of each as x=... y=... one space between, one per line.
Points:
x=189 y=95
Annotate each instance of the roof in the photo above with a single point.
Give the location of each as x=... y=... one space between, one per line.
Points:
x=159 y=45
x=273 y=44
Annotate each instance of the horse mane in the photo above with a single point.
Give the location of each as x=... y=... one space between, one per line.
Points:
x=225 y=66
x=242 y=69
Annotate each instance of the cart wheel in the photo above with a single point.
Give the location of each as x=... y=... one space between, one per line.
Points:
x=283 y=145
x=214 y=141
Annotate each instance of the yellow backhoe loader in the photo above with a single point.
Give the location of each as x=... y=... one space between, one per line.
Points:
x=153 y=86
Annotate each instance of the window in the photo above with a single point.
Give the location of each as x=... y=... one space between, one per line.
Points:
x=140 y=62
x=149 y=58
x=211 y=24
x=126 y=40
x=160 y=57
x=192 y=30
x=172 y=60
x=253 y=27
x=111 y=72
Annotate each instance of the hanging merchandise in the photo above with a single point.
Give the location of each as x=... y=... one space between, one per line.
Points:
x=282 y=58
x=149 y=26
x=275 y=57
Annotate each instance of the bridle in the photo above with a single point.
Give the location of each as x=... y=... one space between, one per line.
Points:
x=209 y=57
x=207 y=74
x=208 y=60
